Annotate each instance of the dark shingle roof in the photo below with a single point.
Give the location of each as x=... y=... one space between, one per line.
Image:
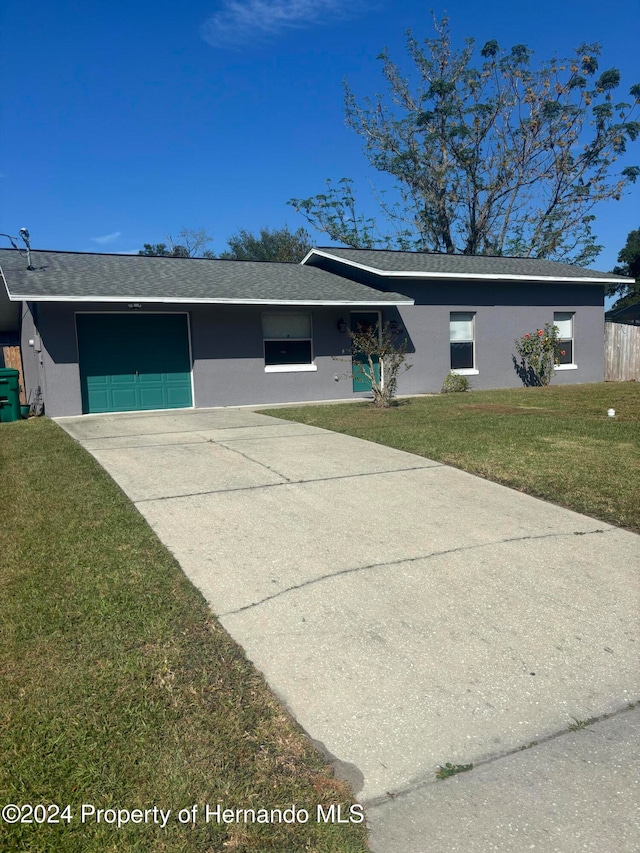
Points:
x=626 y=314
x=428 y=265
x=93 y=277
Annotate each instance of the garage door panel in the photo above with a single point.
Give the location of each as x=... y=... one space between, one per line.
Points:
x=134 y=362
x=153 y=398
x=177 y=398
x=117 y=379
x=100 y=400
x=121 y=399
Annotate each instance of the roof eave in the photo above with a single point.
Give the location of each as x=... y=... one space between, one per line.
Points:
x=159 y=300
x=404 y=274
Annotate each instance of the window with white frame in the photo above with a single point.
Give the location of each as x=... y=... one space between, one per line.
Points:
x=287 y=341
x=462 y=341
x=563 y=320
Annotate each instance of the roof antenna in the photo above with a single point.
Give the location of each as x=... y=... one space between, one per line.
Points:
x=25 y=238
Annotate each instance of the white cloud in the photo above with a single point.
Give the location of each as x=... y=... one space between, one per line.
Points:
x=107 y=238
x=241 y=21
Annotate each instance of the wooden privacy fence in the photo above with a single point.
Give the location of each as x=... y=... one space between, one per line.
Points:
x=11 y=358
x=621 y=352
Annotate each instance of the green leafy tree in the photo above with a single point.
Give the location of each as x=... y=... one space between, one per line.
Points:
x=493 y=156
x=629 y=260
x=190 y=243
x=381 y=355
x=278 y=244
x=155 y=250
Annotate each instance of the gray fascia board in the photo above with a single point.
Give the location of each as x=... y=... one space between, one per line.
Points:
x=404 y=274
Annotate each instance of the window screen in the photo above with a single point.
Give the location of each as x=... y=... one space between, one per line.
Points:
x=461 y=330
x=286 y=326
x=287 y=338
x=563 y=320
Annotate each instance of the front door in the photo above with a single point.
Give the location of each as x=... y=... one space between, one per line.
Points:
x=363 y=320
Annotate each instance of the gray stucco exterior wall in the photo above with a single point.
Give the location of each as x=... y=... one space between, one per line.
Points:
x=32 y=358
x=228 y=357
x=502 y=314
x=59 y=369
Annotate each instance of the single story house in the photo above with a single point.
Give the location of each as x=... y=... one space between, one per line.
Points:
x=111 y=333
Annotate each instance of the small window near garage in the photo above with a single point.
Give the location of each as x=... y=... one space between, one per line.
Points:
x=563 y=320
x=462 y=343
x=287 y=342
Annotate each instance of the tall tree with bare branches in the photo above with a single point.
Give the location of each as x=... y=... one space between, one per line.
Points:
x=494 y=156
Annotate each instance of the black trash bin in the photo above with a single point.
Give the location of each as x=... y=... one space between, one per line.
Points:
x=9 y=395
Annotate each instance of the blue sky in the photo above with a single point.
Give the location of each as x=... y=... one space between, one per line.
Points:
x=123 y=122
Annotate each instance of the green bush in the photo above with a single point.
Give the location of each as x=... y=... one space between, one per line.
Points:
x=455 y=382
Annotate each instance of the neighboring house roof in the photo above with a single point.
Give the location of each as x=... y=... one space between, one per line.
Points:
x=627 y=314
x=74 y=276
x=438 y=266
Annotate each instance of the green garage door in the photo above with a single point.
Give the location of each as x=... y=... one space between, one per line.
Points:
x=134 y=362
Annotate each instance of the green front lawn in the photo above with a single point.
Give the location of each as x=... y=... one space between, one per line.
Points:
x=556 y=442
x=119 y=690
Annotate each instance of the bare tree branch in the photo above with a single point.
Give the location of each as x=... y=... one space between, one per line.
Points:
x=489 y=157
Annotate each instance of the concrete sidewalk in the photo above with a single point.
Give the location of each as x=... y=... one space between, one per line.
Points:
x=579 y=791
x=407 y=613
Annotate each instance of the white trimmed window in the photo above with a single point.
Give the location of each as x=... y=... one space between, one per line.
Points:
x=563 y=320
x=462 y=342
x=287 y=342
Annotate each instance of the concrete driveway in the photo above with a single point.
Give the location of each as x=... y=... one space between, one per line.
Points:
x=407 y=613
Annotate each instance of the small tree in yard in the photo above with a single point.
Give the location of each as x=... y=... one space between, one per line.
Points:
x=539 y=352
x=380 y=348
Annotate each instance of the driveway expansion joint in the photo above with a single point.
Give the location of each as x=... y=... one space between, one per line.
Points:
x=281 y=436
x=302 y=482
x=118 y=447
x=432 y=779
x=404 y=560
x=250 y=459
x=196 y=431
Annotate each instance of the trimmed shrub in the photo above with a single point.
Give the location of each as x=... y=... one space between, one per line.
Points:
x=454 y=382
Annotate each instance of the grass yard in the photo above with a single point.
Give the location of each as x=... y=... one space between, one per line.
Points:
x=118 y=689
x=556 y=442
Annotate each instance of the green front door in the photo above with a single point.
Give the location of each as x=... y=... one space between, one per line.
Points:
x=134 y=362
x=364 y=320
